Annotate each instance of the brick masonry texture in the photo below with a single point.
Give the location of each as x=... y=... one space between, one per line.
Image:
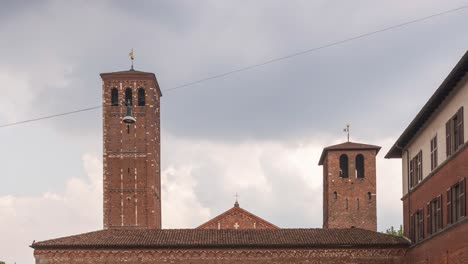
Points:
x=237 y=218
x=352 y=207
x=451 y=244
x=227 y=256
x=131 y=159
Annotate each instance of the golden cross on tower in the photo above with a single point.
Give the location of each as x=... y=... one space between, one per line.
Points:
x=132 y=58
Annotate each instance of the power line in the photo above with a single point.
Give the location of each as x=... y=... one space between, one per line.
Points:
x=51 y=116
x=259 y=64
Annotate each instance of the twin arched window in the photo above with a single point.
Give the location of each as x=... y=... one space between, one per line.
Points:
x=344 y=166
x=359 y=166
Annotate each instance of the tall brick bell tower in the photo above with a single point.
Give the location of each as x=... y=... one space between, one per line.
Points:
x=132 y=176
x=349 y=186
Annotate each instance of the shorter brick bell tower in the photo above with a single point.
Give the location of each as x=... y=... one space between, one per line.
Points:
x=349 y=186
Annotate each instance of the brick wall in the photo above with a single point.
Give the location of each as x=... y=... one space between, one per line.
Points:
x=436 y=184
x=131 y=155
x=227 y=256
x=449 y=247
x=237 y=218
x=336 y=213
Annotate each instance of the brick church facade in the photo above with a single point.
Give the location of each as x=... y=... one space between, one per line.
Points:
x=132 y=196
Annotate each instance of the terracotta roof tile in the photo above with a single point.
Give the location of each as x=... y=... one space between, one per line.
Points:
x=210 y=238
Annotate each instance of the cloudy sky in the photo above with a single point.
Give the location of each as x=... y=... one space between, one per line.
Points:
x=258 y=132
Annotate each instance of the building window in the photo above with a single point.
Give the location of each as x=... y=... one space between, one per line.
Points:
x=128 y=97
x=141 y=97
x=417 y=226
x=454 y=132
x=416 y=170
x=456 y=202
x=359 y=166
x=335 y=195
x=369 y=196
x=114 y=97
x=357 y=203
x=344 y=166
x=346 y=203
x=434 y=215
x=434 y=152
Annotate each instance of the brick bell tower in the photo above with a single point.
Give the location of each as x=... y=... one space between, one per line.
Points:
x=132 y=175
x=349 y=186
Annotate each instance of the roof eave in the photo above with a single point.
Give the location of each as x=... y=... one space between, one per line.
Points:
x=449 y=83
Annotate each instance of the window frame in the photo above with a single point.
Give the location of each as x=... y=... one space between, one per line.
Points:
x=434 y=153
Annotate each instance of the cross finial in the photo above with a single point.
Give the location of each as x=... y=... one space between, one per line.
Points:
x=347 y=130
x=131 y=58
x=236 y=204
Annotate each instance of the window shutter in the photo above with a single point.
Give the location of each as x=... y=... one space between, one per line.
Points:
x=420 y=166
x=439 y=212
x=421 y=223
x=462 y=197
x=448 y=137
x=460 y=126
x=412 y=227
x=428 y=219
x=449 y=206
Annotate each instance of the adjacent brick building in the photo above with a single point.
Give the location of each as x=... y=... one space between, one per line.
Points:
x=434 y=154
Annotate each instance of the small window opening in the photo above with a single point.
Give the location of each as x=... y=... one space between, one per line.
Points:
x=141 y=97
x=344 y=166
x=358 y=203
x=114 y=97
x=346 y=204
x=369 y=196
x=335 y=195
x=359 y=166
x=128 y=97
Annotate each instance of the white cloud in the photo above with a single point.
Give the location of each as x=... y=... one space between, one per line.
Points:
x=24 y=219
x=278 y=181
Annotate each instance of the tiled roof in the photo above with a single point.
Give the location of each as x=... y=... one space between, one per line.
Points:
x=347 y=146
x=211 y=238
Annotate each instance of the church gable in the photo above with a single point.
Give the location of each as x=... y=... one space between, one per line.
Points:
x=237 y=218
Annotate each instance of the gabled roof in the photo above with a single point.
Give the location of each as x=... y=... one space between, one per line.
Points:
x=237 y=210
x=347 y=146
x=227 y=238
x=447 y=86
x=130 y=74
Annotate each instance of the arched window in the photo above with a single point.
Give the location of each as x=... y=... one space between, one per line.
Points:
x=128 y=97
x=344 y=166
x=141 y=97
x=359 y=166
x=114 y=97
